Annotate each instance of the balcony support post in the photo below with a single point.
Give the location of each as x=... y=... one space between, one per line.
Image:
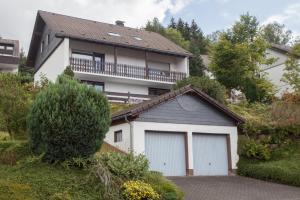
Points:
x=115 y=59
x=146 y=64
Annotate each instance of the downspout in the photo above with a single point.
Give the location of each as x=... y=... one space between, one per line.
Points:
x=131 y=133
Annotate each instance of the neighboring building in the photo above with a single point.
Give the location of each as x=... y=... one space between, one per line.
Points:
x=274 y=72
x=119 y=60
x=9 y=55
x=184 y=132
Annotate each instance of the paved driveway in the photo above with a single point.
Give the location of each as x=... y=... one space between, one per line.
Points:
x=234 y=188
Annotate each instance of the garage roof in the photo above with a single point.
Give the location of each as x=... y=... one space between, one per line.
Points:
x=136 y=110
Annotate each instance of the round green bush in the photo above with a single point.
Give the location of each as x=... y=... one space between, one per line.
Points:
x=209 y=86
x=68 y=120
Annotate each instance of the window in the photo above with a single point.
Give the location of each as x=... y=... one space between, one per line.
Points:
x=2 y=47
x=157 y=91
x=137 y=38
x=99 y=59
x=118 y=136
x=48 y=39
x=99 y=86
x=42 y=46
x=10 y=48
x=114 y=34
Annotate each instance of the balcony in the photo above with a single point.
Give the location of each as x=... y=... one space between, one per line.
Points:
x=124 y=70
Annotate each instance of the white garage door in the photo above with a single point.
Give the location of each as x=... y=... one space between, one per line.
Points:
x=166 y=152
x=210 y=154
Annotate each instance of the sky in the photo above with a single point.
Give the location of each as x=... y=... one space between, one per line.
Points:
x=17 y=17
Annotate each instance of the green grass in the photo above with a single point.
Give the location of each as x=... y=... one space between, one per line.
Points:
x=25 y=177
x=284 y=167
x=42 y=181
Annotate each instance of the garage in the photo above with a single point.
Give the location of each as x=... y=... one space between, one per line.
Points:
x=166 y=152
x=181 y=133
x=210 y=154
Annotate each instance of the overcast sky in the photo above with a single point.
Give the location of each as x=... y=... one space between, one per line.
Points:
x=17 y=16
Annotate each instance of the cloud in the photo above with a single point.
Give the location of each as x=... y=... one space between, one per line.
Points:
x=290 y=14
x=19 y=23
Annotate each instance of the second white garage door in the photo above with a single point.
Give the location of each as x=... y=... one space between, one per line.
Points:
x=210 y=154
x=166 y=152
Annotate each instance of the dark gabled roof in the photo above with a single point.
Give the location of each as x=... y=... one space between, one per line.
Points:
x=93 y=31
x=143 y=107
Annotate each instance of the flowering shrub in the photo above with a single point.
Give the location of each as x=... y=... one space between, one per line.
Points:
x=138 y=190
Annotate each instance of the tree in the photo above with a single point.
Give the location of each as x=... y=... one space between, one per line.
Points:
x=209 y=86
x=244 y=30
x=292 y=70
x=177 y=38
x=172 y=23
x=155 y=26
x=236 y=57
x=25 y=72
x=67 y=120
x=15 y=100
x=275 y=33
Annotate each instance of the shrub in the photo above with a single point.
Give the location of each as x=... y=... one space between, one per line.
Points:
x=69 y=72
x=67 y=120
x=165 y=188
x=14 y=104
x=13 y=151
x=252 y=149
x=126 y=166
x=138 y=190
x=211 y=87
x=270 y=171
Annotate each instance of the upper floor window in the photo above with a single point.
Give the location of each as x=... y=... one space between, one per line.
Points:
x=118 y=136
x=137 y=38
x=114 y=34
x=42 y=46
x=10 y=48
x=2 y=47
x=48 y=39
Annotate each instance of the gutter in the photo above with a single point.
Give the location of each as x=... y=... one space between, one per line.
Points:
x=130 y=132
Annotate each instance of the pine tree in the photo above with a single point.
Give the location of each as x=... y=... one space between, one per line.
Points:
x=172 y=23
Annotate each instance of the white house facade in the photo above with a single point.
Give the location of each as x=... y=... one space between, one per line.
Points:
x=183 y=132
x=125 y=63
x=275 y=71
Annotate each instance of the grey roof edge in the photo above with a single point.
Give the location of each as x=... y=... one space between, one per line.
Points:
x=143 y=107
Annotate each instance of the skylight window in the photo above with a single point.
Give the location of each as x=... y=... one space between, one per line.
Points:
x=137 y=38
x=114 y=34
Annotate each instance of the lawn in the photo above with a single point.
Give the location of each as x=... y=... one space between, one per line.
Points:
x=284 y=166
x=24 y=177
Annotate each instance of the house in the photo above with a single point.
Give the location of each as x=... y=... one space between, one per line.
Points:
x=183 y=132
x=274 y=72
x=9 y=55
x=125 y=63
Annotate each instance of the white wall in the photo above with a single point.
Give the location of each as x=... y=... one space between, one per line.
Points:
x=275 y=71
x=125 y=88
x=55 y=64
x=139 y=129
x=125 y=143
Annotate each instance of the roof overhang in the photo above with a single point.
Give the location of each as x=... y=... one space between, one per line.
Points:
x=63 y=35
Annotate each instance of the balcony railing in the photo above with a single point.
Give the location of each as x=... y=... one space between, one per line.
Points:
x=124 y=70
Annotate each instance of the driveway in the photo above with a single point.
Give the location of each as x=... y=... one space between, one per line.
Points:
x=234 y=188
